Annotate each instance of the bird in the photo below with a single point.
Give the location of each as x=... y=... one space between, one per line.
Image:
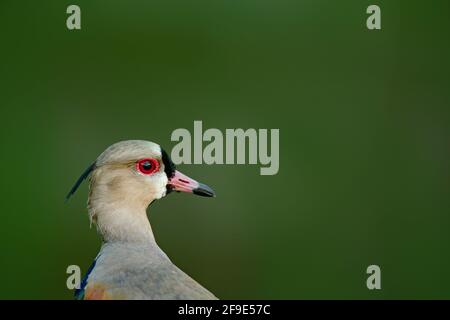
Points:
x=123 y=181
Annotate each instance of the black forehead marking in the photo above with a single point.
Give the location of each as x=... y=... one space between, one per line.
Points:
x=83 y=176
x=169 y=166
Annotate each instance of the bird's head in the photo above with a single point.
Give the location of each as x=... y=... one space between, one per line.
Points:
x=132 y=174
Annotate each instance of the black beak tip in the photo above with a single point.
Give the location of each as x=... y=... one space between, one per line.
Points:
x=204 y=191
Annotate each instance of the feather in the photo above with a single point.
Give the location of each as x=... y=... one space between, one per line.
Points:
x=84 y=175
x=79 y=293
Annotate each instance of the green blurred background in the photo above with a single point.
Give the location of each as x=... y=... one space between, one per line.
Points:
x=364 y=140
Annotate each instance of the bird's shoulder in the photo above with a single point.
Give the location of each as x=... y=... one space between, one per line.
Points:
x=140 y=273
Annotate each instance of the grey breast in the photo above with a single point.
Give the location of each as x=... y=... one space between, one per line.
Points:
x=143 y=271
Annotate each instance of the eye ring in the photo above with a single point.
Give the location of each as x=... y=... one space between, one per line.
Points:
x=147 y=166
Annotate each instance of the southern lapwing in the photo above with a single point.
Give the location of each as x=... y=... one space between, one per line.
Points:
x=124 y=180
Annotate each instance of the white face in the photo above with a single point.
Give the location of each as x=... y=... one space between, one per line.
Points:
x=131 y=171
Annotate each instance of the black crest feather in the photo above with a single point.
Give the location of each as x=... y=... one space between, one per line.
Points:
x=83 y=176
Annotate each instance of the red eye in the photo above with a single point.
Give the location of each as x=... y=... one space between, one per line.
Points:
x=147 y=166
